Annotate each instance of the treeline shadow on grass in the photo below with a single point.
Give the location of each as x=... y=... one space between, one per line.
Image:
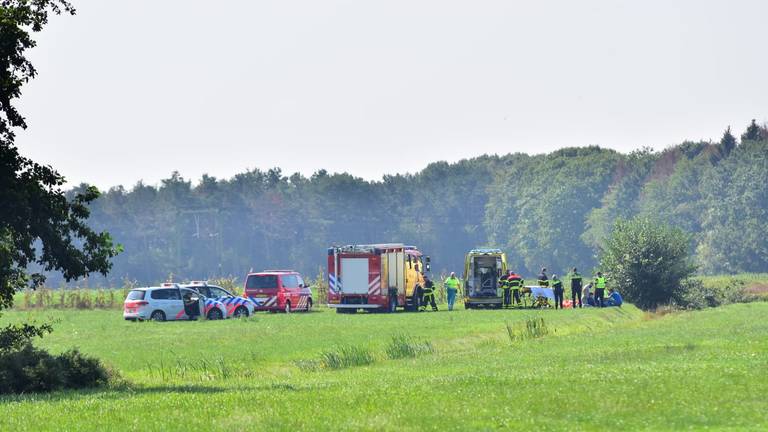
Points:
x=122 y=391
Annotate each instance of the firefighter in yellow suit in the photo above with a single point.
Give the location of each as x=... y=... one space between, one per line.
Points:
x=429 y=294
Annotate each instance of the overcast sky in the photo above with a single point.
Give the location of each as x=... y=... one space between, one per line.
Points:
x=134 y=89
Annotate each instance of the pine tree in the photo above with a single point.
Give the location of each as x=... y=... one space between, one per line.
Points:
x=752 y=133
x=727 y=142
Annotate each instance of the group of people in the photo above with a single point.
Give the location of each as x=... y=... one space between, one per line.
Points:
x=451 y=285
x=512 y=283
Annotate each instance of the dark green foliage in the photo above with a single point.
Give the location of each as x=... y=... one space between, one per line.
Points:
x=30 y=369
x=752 y=133
x=727 y=142
x=647 y=261
x=35 y=214
x=697 y=295
x=734 y=226
x=550 y=210
x=16 y=336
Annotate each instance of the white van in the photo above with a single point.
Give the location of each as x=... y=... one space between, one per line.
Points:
x=170 y=302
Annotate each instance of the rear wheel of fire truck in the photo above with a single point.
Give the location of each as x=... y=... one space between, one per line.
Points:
x=287 y=307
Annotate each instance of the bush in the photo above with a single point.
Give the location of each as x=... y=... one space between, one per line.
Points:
x=31 y=369
x=696 y=294
x=647 y=261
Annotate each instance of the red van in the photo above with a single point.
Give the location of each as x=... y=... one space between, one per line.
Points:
x=278 y=290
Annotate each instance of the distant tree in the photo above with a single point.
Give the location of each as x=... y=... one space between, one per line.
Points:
x=727 y=142
x=752 y=133
x=35 y=212
x=647 y=261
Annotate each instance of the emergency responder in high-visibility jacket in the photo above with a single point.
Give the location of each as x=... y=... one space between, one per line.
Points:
x=515 y=282
x=600 y=290
x=557 y=287
x=504 y=286
x=575 y=287
x=543 y=279
x=429 y=294
x=452 y=285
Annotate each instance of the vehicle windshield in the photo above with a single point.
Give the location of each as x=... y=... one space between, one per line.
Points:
x=219 y=292
x=261 y=281
x=135 y=295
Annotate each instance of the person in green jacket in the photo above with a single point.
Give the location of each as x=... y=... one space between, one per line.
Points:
x=452 y=285
x=600 y=289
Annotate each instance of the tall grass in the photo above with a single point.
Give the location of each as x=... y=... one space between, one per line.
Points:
x=346 y=356
x=79 y=298
x=404 y=346
x=533 y=328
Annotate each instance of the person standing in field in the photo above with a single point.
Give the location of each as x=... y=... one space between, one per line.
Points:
x=515 y=282
x=504 y=285
x=543 y=279
x=600 y=289
x=429 y=294
x=575 y=287
x=557 y=287
x=451 y=288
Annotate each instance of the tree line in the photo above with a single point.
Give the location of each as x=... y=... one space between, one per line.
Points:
x=552 y=210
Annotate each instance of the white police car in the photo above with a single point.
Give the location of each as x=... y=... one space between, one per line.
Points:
x=170 y=301
x=237 y=307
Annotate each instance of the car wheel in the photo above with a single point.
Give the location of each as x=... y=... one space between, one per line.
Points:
x=287 y=308
x=215 y=314
x=240 y=312
x=309 y=305
x=157 y=315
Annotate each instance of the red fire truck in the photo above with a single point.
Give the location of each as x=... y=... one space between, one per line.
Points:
x=375 y=277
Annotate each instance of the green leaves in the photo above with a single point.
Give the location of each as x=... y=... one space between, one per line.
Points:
x=647 y=261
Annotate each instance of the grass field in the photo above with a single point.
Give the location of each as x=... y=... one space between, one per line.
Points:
x=615 y=369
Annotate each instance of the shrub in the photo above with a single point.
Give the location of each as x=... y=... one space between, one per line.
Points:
x=31 y=369
x=696 y=294
x=647 y=261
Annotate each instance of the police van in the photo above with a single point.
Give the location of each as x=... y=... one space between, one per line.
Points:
x=237 y=307
x=170 y=302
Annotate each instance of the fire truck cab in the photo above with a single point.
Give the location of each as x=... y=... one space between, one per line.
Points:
x=376 y=277
x=482 y=270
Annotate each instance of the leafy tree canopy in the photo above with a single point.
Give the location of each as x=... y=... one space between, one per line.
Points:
x=39 y=225
x=647 y=261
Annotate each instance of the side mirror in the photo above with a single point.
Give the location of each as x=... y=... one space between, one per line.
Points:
x=427 y=263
